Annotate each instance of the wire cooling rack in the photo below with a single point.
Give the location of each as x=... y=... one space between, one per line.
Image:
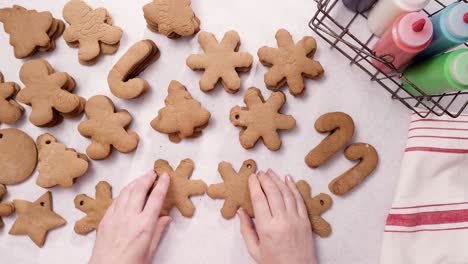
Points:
x=343 y=30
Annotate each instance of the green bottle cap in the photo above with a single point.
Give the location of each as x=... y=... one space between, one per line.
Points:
x=458 y=68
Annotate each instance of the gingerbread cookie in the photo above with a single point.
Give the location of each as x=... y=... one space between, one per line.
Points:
x=6 y=208
x=221 y=61
x=107 y=128
x=172 y=18
x=183 y=116
x=341 y=128
x=30 y=30
x=261 y=119
x=235 y=189
x=58 y=165
x=316 y=206
x=18 y=156
x=290 y=62
x=367 y=157
x=48 y=93
x=10 y=110
x=88 y=28
x=181 y=187
x=36 y=219
x=95 y=209
x=121 y=78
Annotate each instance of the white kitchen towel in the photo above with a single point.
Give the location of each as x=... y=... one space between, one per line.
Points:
x=428 y=221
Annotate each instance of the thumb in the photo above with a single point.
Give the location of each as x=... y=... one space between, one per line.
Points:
x=163 y=222
x=248 y=233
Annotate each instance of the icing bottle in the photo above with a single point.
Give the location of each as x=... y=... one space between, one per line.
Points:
x=441 y=74
x=385 y=12
x=450 y=30
x=359 y=5
x=408 y=35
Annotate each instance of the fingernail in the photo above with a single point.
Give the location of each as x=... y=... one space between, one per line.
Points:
x=269 y=171
x=238 y=211
x=289 y=178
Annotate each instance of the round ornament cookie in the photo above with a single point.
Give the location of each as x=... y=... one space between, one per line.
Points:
x=18 y=156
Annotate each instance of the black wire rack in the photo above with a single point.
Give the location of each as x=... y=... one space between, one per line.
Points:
x=343 y=30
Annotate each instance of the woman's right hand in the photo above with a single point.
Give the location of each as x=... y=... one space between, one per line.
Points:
x=282 y=232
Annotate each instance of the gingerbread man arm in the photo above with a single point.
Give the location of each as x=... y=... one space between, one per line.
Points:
x=197 y=61
x=161 y=167
x=207 y=41
x=308 y=44
x=253 y=97
x=185 y=168
x=230 y=41
x=284 y=38
x=85 y=204
x=267 y=55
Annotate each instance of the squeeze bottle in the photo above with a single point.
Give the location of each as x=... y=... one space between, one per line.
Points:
x=358 y=5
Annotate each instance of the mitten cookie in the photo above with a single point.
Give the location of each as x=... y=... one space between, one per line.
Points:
x=261 y=119
x=172 y=18
x=367 y=157
x=235 y=189
x=121 y=78
x=107 y=128
x=6 y=208
x=183 y=116
x=89 y=28
x=290 y=62
x=58 y=165
x=18 y=156
x=316 y=206
x=221 y=61
x=95 y=209
x=30 y=30
x=341 y=128
x=181 y=187
x=48 y=93
x=10 y=110
x=36 y=219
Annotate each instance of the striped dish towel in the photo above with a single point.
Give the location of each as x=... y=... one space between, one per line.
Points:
x=428 y=221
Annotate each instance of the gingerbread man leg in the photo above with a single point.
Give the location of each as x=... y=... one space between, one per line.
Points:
x=98 y=151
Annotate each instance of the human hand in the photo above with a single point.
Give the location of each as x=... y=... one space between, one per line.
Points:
x=282 y=231
x=131 y=228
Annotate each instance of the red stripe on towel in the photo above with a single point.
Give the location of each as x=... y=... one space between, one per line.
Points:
x=438 y=120
x=460 y=138
x=428 y=218
x=439 y=150
x=426 y=230
x=427 y=205
x=438 y=128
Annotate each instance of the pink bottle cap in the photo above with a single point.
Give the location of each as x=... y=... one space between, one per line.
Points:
x=414 y=30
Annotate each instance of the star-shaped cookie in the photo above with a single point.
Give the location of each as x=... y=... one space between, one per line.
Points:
x=172 y=18
x=36 y=219
x=107 y=128
x=261 y=119
x=10 y=110
x=316 y=206
x=235 y=189
x=58 y=165
x=95 y=209
x=6 y=208
x=290 y=62
x=221 y=61
x=183 y=116
x=181 y=187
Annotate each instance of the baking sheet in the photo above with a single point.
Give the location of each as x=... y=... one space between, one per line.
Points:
x=357 y=219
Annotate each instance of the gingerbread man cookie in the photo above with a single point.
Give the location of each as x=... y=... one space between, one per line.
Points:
x=183 y=116
x=58 y=165
x=6 y=208
x=172 y=18
x=316 y=206
x=221 y=61
x=235 y=189
x=95 y=209
x=89 y=28
x=107 y=128
x=290 y=62
x=10 y=110
x=30 y=30
x=48 y=93
x=36 y=219
x=121 y=78
x=261 y=119
x=181 y=187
